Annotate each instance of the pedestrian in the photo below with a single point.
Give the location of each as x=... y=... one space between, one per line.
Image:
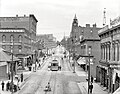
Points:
x=21 y=77
x=15 y=88
x=18 y=84
x=9 y=75
x=91 y=88
x=91 y=79
x=7 y=86
x=2 y=85
x=16 y=77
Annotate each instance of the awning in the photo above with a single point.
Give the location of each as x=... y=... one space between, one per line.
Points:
x=81 y=61
x=14 y=58
x=3 y=63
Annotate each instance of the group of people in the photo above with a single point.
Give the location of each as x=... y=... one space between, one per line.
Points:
x=12 y=86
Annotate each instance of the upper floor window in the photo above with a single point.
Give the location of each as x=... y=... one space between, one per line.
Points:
x=11 y=38
x=20 y=38
x=3 y=38
x=3 y=46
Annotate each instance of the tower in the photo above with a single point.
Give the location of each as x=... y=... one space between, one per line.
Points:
x=75 y=22
x=104 y=17
x=74 y=26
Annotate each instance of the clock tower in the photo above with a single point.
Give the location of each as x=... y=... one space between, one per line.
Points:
x=74 y=26
x=75 y=22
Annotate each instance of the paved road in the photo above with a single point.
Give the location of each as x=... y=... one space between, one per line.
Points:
x=61 y=82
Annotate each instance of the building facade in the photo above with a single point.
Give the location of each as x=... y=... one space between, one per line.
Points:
x=46 y=43
x=109 y=67
x=81 y=39
x=20 y=30
x=27 y=22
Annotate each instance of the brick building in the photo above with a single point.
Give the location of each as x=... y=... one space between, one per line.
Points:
x=22 y=31
x=81 y=39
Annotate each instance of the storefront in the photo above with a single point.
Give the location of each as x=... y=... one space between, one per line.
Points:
x=103 y=74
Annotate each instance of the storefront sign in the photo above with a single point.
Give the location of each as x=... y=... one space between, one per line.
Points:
x=115 y=22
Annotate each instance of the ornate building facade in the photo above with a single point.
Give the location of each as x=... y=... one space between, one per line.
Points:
x=109 y=68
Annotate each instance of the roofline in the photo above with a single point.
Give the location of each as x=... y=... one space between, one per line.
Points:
x=31 y=15
x=89 y=40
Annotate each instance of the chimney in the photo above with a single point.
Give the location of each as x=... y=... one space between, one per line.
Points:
x=87 y=25
x=24 y=15
x=94 y=25
x=17 y=15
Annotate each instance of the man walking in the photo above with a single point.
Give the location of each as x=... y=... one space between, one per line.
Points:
x=21 y=77
x=2 y=85
x=91 y=88
x=91 y=79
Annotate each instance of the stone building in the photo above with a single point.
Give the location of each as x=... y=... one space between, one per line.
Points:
x=109 y=68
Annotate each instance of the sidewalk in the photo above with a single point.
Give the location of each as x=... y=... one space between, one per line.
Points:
x=83 y=85
x=25 y=76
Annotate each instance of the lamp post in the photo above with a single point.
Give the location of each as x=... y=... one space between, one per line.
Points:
x=73 y=47
x=89 y=53
x=12 y=65
x=35 y=60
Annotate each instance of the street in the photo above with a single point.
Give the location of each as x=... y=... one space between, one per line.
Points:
x=61 y=82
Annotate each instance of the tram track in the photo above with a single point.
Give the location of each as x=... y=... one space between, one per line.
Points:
x=52 y=82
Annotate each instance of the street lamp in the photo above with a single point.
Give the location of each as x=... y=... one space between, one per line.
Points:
x=89 y=53
x=12 y=65
x=73 y=47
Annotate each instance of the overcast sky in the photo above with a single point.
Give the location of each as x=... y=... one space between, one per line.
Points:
x=56 y=16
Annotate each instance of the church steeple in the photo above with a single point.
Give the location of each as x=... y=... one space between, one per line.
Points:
x=75 y=17
x=75 y=21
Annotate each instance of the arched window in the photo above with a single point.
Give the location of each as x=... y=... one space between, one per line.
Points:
x=11 y=38
x=20 y=38
x=3 y=38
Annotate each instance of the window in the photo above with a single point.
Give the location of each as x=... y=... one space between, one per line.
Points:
x=20 y=50
x=117 y=52
x=11 y=48
x=114 y=52
x=3 y=38
x=20 y=38
x=3 y=46
x=109 y=52
x=11 y=38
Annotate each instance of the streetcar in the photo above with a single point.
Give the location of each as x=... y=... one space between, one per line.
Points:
x=55 y=65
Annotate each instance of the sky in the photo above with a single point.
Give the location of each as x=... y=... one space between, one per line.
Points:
x=56 y=16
